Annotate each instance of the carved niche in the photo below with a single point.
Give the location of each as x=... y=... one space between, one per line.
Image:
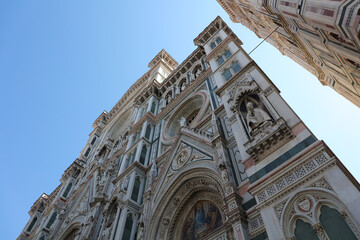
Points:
x=265 y=130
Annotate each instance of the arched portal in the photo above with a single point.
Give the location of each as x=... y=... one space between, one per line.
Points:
x=195 y=190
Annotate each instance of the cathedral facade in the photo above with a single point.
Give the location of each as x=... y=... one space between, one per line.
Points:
x=207 y=149
x=321 y=36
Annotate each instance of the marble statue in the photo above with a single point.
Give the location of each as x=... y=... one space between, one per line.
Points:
x=255 y=116
x=183 y=86
x=182 y=122
x=198 y=72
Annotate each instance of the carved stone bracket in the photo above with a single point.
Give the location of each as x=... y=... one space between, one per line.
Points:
x=268 y=139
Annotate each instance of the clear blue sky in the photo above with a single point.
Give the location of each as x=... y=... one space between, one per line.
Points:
x=63 y=62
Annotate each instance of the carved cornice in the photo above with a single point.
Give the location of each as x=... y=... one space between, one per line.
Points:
x=149 y=116
x=135 y=165
x=303 y=171
x=183 y=94
x=264 y=142
x=172 y=78
x=209 y=31
x=164 y=57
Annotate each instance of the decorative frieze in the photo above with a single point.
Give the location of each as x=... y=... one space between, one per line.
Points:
x=293 y=176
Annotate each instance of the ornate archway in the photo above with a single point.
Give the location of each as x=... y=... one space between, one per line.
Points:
x=194 y=187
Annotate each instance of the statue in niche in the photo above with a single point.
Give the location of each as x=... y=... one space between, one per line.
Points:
x=183 y=86
x=255 y=117
x=168 y=98
x=152 y=175
x=190 y=77
x=106 y=233
x=198 y=72
x=182 y=122
x=223 y=169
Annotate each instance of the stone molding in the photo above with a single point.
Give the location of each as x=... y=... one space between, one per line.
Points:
x=292 y=178
x=268 y=139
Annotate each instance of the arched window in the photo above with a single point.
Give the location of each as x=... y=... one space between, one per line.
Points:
x=128 y=227
x=218 y=40
x=143 y=155
x=31 y=224
x=136 y=189
x=334 y=224
x=221 y=59
x=227 y=74
x=304 y=231
x=232 y=70
x=52 y=220
x=190 y=118
x=67 y=190
x=213 y=45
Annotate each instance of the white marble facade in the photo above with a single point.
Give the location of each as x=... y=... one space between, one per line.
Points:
x=207 y=149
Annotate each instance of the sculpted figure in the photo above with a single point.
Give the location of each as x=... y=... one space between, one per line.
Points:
x=182 y=122
x=106 y=233
x=183 y=86
x=152 y=175
x=168 y=99
x=141 y=230
x=255 y=116
x=198 y=72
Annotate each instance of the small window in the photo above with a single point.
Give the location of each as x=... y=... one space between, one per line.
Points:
x=93 y=141
x=235 y=67
x=220 y=60
x=227 y=54
x=148 y=132
x=136 y=189
x=212 y=45
x=128 y=228
x=227 y=74
x=52 y=220
x=31 y=224
x=153 y=107
x=218 y=40
x=67 y=190
x=143 y=155
x=87 y=152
